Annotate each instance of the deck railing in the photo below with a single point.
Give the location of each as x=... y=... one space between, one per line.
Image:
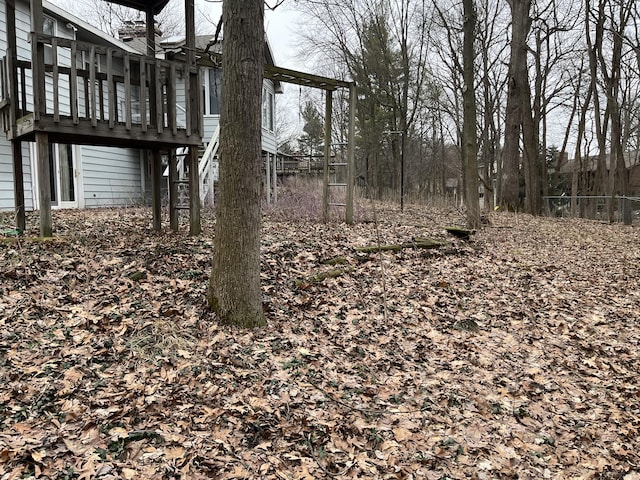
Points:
x=86 y=83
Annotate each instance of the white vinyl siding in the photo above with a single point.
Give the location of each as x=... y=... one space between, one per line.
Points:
x=111 y=176
x=6 y=176
x=23 y=26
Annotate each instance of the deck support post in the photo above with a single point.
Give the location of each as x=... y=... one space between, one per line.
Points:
x=327 y=155
x=44 y=184
x=156 y=191
x=194 y=193
x=194 y=117
x=351 y=156
x=18 y=186
x=267 y=169
x=173 y=191
x=275 y=179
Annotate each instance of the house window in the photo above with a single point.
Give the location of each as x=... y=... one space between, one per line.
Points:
x=212 y=87
x=267 y=109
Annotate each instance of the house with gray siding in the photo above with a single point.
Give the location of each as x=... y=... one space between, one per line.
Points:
x=82 y=175
x=99 y=173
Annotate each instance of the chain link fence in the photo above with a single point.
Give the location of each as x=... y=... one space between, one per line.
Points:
x=625 y=209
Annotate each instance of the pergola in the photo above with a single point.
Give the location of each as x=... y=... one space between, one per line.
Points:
x=329 y=85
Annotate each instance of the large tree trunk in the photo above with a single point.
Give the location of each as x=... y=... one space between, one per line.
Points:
x=234 y=287
x=530 y=124
x=520 y=25
x=469 y=138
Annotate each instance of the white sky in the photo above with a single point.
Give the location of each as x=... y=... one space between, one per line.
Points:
x=280 y=24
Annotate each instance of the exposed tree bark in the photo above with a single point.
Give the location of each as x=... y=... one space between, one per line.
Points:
x=234 y=288
x=520 y=25
x=601 y=118
x=469 y=135
x=531 y=157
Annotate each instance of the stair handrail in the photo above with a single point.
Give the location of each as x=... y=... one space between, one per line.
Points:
x=205 y=166
x=210 y=152
x=181 y=154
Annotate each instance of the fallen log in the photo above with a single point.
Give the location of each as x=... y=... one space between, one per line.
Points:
x=459 y=232
x=322 y=276
x=417 y=243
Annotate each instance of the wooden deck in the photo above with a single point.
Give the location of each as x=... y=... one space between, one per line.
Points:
x=91 y=94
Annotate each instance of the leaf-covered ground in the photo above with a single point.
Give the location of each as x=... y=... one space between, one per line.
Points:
x=514 y=355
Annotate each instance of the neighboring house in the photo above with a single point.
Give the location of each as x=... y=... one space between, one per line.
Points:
x=589 y=167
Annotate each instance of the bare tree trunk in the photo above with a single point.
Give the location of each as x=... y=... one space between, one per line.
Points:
x=533 y=199
x=234 y=287
x=520 y=25
x=601 y=119
x=579 y=136
x=470 y=141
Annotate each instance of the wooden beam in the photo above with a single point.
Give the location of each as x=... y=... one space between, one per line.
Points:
x=44 y=184
x=172 y=120
x=192 y=105
x=92 y=86
x=127 y=91
x=18 y=186
x=155 y=89
x=275 y=178
x=268 y=176
x=157 y=96
x=327 y=155
x=194 y=193
x=56 y=80
x=37 y=60
x=143 y=95
x=351 y=153
x=111 y=90
x=156 y=192
x=173 y=190
x=293 y=76
x=12 y=58
x=73 y=84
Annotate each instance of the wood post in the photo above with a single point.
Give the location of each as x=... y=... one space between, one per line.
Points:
x=627 y=212
x=194 y=192
x=194 y=116
x=18 y=185
x=37 y=60
x=268 y=176
x=351 y=149
x=275 y=178
x=44 y=183
x=173 y=191
x=156 y=191
x=327 y=155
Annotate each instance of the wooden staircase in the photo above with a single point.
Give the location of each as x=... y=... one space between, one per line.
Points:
x=207 y=169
